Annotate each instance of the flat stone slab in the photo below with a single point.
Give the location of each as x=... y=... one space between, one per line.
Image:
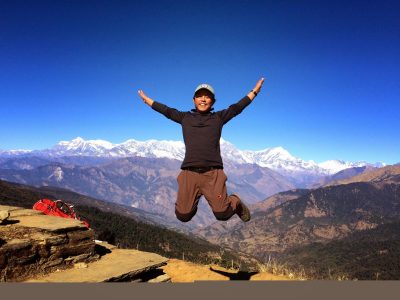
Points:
x=20 y=211
x=161 y=278
x=119 y=265
x=37 y=219
x=105 y=244
x=49 y=223
x=9 y=208
x=24 y=212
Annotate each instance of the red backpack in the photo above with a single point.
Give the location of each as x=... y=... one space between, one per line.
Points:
x=58 y=208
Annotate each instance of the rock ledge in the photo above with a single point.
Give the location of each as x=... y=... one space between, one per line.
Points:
x=36 y=247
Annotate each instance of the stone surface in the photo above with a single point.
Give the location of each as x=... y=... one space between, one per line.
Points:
x=15 y=211
x=49 y=223
x=34 y=243
x=4 y=214
x=9 y=208
x=161 y=278
x=119 y=265
x=24 y=212
x=54 y=249
x=183 y=271
x=105 y=244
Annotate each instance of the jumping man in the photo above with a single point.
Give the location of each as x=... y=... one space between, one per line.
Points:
x=202 y=168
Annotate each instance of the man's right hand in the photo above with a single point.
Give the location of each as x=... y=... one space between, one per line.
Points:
x=145 y=99
x=259 y=85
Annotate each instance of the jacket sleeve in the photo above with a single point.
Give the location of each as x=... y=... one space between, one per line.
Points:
x=234 y=109
x=171 y=113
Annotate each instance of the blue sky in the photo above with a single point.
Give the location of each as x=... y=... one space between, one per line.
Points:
x=73 y=68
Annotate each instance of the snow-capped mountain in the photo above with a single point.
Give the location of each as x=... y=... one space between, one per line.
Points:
x=335 y=166
x=5 y=153
x=101 y=148
x=79 y=146
x=275 y=158
x=280 y=160
x=150 y=148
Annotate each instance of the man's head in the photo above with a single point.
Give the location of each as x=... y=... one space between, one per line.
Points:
x=204 y=98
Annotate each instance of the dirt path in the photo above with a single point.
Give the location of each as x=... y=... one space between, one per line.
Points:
x=183 y=271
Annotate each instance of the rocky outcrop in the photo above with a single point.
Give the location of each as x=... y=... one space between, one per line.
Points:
x=39 y=248
x=117 y=265
x=34 y=243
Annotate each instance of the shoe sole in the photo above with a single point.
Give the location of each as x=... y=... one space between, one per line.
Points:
x=246 y=216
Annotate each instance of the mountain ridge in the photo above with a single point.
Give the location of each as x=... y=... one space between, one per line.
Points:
x=275 y=158
x=146 y=183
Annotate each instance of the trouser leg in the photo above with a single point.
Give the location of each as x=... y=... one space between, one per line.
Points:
x=188 y=195
x=213 y=187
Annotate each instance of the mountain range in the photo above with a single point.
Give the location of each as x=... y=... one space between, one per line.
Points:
x=276 y=158
x=143 y=174
x=145 y=183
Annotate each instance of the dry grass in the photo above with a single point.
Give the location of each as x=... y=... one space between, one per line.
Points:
x=280 y=269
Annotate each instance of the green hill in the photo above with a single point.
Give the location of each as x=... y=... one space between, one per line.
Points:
x=367 y=255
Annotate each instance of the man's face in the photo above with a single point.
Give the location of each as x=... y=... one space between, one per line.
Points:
x=203 y=100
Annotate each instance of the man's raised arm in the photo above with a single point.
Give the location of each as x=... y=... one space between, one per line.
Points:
x=170 y=113
x=235 y=109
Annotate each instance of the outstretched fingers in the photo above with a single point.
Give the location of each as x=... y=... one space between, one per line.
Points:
x=142 y=95
x=145 y=99
x=259 y=84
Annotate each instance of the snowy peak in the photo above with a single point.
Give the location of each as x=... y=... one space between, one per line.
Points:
x=334 y=166
x=79 y=143
x=79 y=146
x=230 y=152
x=265 y=158
x=279 y=159
x=131 y=147
x=272 y=154
x=150 y=148
x=14 y=152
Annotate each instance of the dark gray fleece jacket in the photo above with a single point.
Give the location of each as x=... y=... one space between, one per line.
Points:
x=202 y=132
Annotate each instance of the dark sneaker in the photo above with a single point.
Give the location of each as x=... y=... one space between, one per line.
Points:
x=242 y=211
